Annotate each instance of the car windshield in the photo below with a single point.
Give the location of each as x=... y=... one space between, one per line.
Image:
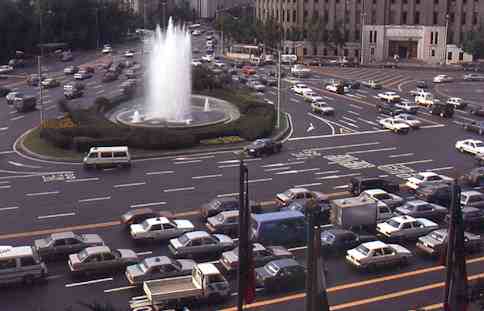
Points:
x=419 y=177
x=183 y=239
x=479 y=144
x=363 y=250
x=393 y=223
x=382 y=196
x=143 y=266
x=272 y=268
x=327 y=236
x=438 y=236
x=83 y=255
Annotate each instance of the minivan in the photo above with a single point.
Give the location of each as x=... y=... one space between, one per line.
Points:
x=107 y=156
x=278 y=228
x=20 y=264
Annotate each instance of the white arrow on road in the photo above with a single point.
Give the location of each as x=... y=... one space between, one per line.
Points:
x=23 y=165
x=310 y=128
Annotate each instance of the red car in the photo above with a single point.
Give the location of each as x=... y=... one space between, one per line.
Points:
x=248 y=70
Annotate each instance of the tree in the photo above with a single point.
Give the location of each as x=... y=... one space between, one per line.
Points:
x=316 y=32
x=336 y=35
x=474 y=43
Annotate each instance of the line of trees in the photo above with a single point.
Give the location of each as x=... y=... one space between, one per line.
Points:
x=473 y=42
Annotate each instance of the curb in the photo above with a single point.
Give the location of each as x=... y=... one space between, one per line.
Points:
x=20 y=148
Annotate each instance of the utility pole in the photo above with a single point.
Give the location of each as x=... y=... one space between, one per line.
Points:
x=278 y=106
x=39 y=64
x=444 y=61
x=362 y=23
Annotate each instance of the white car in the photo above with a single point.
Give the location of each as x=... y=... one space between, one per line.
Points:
x=208 y=58
x=11 y=97
x=407 y=106
x=457 y=102
x=256 y=86
x=425 y=178
x=6 y=69
x=160 y=228
x=311 y=96
x=107 y=49
x=405 y=227
x=300 y=88
x=196 y=33
x=219 y=64
x=377 y=253
x=321 y=107
x=389 y=96
x=394 y=125
x=82 y=75
x=334 y=88
x=196 y=63
x=473 y=146
x=442 y=79
x=299 y=70
x=129 y=53
x=381 y=196
x=408 y=119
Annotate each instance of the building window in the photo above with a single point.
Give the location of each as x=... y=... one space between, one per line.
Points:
x=417 y=17
x=433 y=53
x=463 y=20
x=372 y=51
x=357 y=53
x=357 y=35
x=347 y=35
x=436 y=2
x=450 y=37
x=294 y=16
x=474 y=18
x=404 y=17
x=288 y=15
x=405 y=1
x=392 y=17
x=373 y=17
x=461 y=56
x=449 y=55
x=345 y=52
x=417 y=1
x=451 y=18
x=436 y=38
x=305 y=51
x=374 y=2
x=335 y=52
x=375 y=36
x=436 y=18
x=325 y=52
x=315 y=50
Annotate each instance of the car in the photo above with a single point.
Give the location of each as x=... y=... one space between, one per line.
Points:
x=101 y=259
x=138 y=215
x=418 y=92
x=224 y=222
x=5 y=69
x=351 y=84
x=65 y=243
x=268 y=80
x=160 y=267
x=290 y=195
x=129 y=87
x=82 y=75
x=300 y=71
x=34 y=79
x=196 y=62
x=473 y=66
x=66 y=56
x=473 y=77
x=25 y=102
x=300 y=206
x=419 y=208
x=422 y=84
x=389 y=96
x=359 y=184
x=263 y=146
x=424 y=178
x=392 y=65
x=438 y=193
x=407 y=107
x=472 y=198
x=281 y=274
x=474 y=126
x=109 y=76
x=441 y=109
x=218 y=205
x=248 y=70
x=472 y=217
x=389 y=199
x=371 y=255
x=457 y=102
x=160 y=228
x=315 y=62
x=442 y=79
x=388 y=109
x=50 y=83
x=337 y=88
x=472 y=146
x=70 y=70
x=200 y=244
x=4 y=91
x=474 y=177
x=261 y=255
x=394 y=125
x=16 y=62
x=256 y=86
x=336 y=240
x=219 y=64
x=107 y=49
x=435 y=242
x=73 y=90
x=129 y=53
x=132 y=74
x=207 y=58
x=10 y=97
x=196 y=32
x=300 y=88
x=408 y=119
x=372 y=84
x=322 y=108
x=405 y=228
x=476 y=110
x=311 y=96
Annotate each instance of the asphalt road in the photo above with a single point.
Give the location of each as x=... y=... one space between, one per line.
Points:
x=322 y=153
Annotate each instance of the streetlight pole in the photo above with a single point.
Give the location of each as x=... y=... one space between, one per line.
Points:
x=39 y=59
x=278 y=107
x=445 y=39
x=363 y=15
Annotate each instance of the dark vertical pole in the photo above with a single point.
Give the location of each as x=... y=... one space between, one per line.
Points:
x=310 y=263
x=242 y=238
x=321 y=302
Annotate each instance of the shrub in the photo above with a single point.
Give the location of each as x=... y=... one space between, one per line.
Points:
x=56 y=137
x=83 y=144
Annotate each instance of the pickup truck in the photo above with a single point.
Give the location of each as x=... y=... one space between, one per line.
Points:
x=394 y=125
x=205 y=283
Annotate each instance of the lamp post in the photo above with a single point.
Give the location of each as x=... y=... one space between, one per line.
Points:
x=39 y=65
x=362 y=49
x=445 y=39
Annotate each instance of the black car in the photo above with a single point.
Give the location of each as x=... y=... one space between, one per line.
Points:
x=352 y=84
x=300 y=206
x=263 y=146
x=476 y=110
x=476 y=67
x=421 y=84
x=389 y=109
x=472 y=216
x=441 y=109
x=475 y=177
x=340 y=240
x=360 y=184
x=315 y=62
x=439 y=193
x=474 y=126
x=281 y=274
x=218 y=205
x=268 y=80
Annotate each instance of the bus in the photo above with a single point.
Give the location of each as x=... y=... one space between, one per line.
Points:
x=244 y=52
x=193 y=26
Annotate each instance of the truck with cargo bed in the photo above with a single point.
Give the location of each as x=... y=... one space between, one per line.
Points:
x=205 y=284
x=354 y=212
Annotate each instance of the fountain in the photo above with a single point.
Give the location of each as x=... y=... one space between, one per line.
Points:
x=206 y=107
x=136 y=118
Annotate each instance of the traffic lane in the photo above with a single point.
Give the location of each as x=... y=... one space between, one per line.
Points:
x=468 y=90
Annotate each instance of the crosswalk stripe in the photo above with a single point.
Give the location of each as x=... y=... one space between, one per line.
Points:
x=398 y=81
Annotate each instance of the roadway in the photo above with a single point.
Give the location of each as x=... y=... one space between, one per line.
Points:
x=39 y=197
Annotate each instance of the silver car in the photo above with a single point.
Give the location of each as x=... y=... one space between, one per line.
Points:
x=434 y=243
x=419 y=208
x=65 y=243
x=377 y=253
x=261 y=255
x=160 y=228
x=158 y=268
x=405 y=227
x=101 y=259
x=200 y=244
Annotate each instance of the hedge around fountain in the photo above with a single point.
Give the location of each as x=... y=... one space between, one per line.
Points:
x=81 y=129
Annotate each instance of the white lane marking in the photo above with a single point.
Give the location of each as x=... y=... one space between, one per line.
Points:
x=432 y=126
x=310 y=128
x=94 y=199
x=23 y=165
x=56 y=215
x=49 y=108
x=283 y=164
x=352 y=112
x=337 y=176
x=192 y=158
x=17 y=118
x=88 y=282
x=100 y=92
x=326 y=172
x=5 y=187
x=207 y=176
x=7 y=152
x=4 y=128
x=440 y=168
x=179 y=189
x=362 y=91
x=382 y=176
x=130 y=185
x=53 y=277
x=297 y=171
x=41 y=193
x=400 y=155
x=277 y=169
x=296 y=248
x=368 y=121
x=349 y=119
x=97 y=86
x=259 y=180
x=349 y=123
x=333 y=131
x=160 y=173
x=372 y=150
x=8 y=208
x=293 y=100
x=119 y=289
x=308 y=185
x=341 y=187
x=338 y=135
x=347 y=146
x=147 y=204
x=228 y=162
x=412 y=162
x=227 y=195
x=228 y=165
x=12 y=112
x=4 y=182
x=356 y=106
x=144 y=253
x=187 y=162
x=82 y=179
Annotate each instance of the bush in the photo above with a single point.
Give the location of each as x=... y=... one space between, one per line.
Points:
x=83 y=144
x=56 y=137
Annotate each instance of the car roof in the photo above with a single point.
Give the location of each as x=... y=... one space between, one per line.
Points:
x=197 y=234
x=15 y=251
x=229 y=213
x=97 y=249
x=157 y=261
x=471 y=192
x=62 y=235
x=339 y=232
x=110 y=149
x=298 y=190
x=285 y=262
x=157 y=220
x=417 y=202
x=374 y=191
x=427 y=174
x=265 y=217
x=208 y=268
x=374 y=244
x=403 y=219
x=471 y=140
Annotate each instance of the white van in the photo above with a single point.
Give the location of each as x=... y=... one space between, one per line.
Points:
x=107 y=156
x=288 y=59
x=20 y=264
